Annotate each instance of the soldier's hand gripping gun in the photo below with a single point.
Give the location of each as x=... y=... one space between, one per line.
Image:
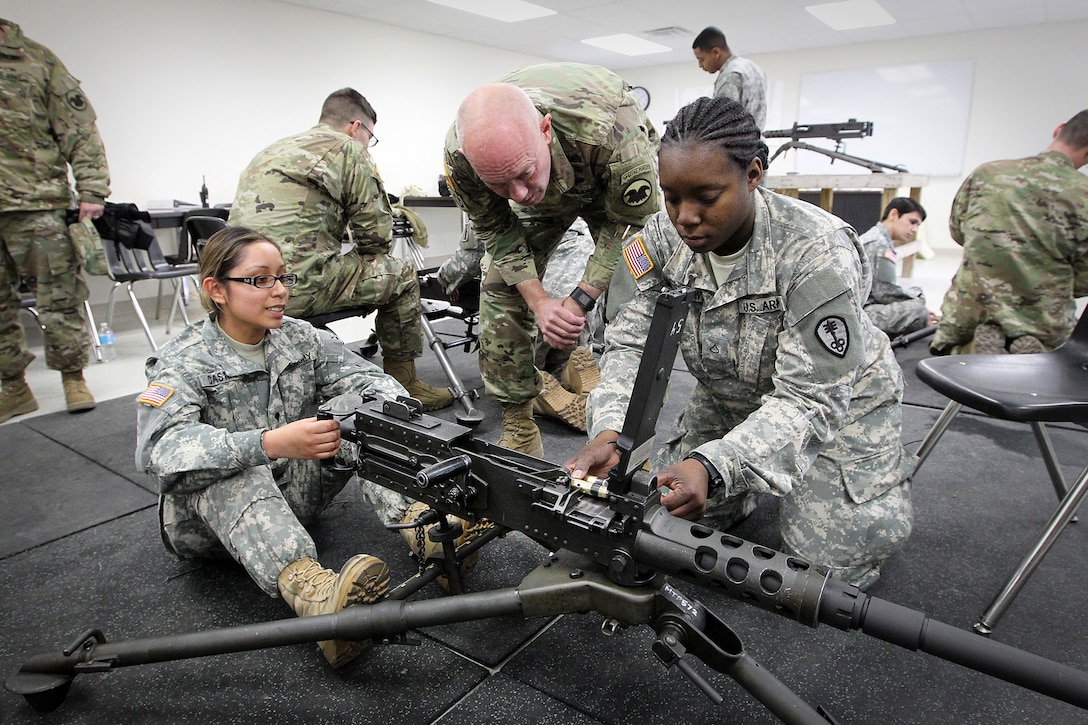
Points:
x=837 y=132
x=614 y=546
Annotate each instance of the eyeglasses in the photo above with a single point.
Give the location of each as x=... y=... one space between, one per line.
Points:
x=373 y=139
x=266 y=281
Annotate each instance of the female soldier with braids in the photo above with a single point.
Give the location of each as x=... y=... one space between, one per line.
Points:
x=797 y=394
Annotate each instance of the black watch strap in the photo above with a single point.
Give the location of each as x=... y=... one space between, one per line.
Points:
x=715 y=480
x=583 y=298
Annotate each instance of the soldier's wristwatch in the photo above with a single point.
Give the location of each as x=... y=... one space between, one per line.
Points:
x=714 y=479
x=583 y=299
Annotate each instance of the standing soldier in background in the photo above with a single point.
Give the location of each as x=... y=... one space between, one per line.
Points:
x=48 y=125
x=1023 y=225
x=738 y=78
x=525 y=157
x=305 y=192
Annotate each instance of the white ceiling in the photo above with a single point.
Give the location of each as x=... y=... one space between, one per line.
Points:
x=751 y=26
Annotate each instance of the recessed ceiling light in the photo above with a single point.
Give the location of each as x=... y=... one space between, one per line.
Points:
x=509 y=11
x=627 y=44
x=851 y=14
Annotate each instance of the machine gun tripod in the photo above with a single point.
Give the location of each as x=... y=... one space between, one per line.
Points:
x=615 y=547
x=837 y=132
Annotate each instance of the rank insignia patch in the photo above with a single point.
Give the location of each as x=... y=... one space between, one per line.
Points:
x=833 y=334
x=637 y=260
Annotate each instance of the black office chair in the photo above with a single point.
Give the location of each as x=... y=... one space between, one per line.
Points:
x=195 y=228
x=136 y=256
x=1037 y=389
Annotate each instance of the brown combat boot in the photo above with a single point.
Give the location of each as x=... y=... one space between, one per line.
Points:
x=16 y=398
x=557 y=402
x=581 y=373
x=988 y=340
x=424 y=548
x=310 y=589
x=76 y=394
x=519 y=430
x=1027 y=345
x=405 y=373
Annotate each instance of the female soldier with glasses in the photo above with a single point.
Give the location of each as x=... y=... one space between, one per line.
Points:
x=226 y=428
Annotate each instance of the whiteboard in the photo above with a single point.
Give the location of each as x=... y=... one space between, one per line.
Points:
x=919 y=113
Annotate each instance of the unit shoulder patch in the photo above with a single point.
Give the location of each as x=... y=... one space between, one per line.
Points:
x=833 y=334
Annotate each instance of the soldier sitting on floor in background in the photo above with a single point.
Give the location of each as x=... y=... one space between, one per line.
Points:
x=895 y=310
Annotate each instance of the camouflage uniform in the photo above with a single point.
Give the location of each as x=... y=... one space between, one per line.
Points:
x=746 y=83
x=604 y=169
x=1023 y=225
x=894 y=310
x=564 y=270
x=48 y=124
x=199 y=426
x=305 y=192
x=797 y=393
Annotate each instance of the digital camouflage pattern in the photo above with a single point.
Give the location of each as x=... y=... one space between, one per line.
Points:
x=1023 y=226
x=199 y=426
x=306 y=192
x=604 y=169
x=797 y=393
x=48 y=125
x=746 y=83
x=894 y=310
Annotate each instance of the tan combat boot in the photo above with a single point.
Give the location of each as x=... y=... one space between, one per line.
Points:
x=76 y=394
x=16 y=398
x=424 y=548
x=405 y=373
x=557 y=402
x=519 y=430
x=310 y=589
x=581 y=373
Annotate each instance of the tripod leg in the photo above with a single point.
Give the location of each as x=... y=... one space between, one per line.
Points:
x=471 y=415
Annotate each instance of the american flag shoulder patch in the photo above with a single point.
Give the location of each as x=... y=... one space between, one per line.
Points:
x=890 y=254
x=156 y=394
x=637 y=260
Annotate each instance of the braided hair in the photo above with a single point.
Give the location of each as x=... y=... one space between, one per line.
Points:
x=719 y=121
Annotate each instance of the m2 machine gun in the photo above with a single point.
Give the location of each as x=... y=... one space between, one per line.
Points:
x=615 y=548
x=837 y=132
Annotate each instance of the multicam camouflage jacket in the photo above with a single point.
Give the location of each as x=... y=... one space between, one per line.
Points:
x=48 y=124
x=1023 y=225
x=306 y=190
x=604 y=169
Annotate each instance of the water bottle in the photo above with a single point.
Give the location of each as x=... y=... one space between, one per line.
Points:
x=105 y=343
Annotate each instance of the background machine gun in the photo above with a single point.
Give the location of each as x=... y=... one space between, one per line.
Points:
x=837 y=132
x=614 y=548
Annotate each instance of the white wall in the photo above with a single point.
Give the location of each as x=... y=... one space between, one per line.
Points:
x=1026 y=82
x=195 y=88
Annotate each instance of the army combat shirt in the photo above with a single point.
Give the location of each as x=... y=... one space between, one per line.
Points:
x=603 y=168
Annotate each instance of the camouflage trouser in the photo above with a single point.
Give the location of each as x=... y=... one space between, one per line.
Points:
x=379 y=282
x=259 y=522
x=509 y=337
x=36 y=247
x=899 y=318
x=850 y=512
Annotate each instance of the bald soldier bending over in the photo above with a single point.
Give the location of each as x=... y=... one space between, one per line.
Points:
x=525 y=157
